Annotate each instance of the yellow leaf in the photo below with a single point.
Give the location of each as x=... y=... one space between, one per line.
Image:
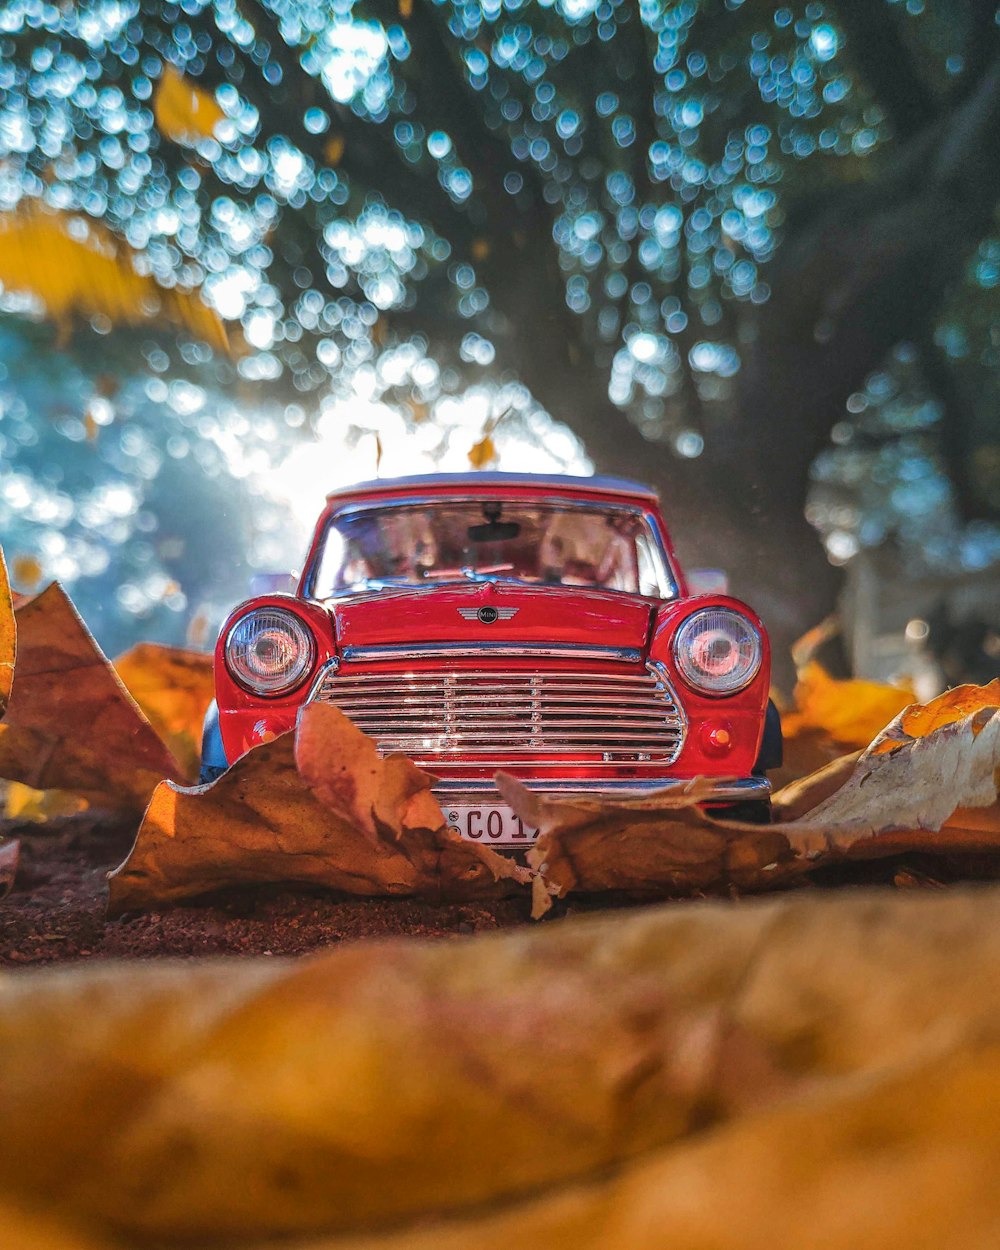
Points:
x=852 y=712
x=333 y=150
x=484 y=452
x=91 y=427
x=79 y=270
x=378 y=455
x=184 y=112
x=480 y=249
x=22 y=803
x=405 y=8
x=8 y=637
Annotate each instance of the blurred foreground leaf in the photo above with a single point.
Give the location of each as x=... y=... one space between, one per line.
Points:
x=87 y=272
x=842 y=1049
x=343 y=819
x=71 y=724
x=894 y=798
x=173 y=687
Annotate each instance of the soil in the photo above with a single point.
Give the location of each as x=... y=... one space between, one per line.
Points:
x=55 y=912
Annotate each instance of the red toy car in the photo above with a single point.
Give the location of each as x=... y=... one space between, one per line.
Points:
x=488 y=621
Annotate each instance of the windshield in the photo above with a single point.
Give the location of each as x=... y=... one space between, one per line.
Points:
x=411 y=545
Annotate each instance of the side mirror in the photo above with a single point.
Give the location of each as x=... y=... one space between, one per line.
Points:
x=708 y=582
x=273 y=584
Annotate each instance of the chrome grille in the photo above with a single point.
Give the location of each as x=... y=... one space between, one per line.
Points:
x=547 y=715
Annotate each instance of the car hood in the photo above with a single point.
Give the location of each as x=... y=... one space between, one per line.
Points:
x=465 y=614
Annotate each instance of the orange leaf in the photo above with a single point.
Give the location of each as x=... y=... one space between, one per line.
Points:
x=27 y=571
x=173 y=687
x=333 y=149
x=483 y=453
x=921 y=719
x=71 y=724
x=184 y=112
x=345 y=820
x=851 y=712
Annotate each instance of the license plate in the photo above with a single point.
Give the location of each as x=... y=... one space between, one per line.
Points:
x=494 y=824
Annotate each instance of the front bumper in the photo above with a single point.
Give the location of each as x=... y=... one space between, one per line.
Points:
x=729 y=790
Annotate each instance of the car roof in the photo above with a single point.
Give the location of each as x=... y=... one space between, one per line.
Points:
x=561 y=483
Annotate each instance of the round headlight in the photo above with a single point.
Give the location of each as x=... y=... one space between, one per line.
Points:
x=269 y=651
x=717 y=651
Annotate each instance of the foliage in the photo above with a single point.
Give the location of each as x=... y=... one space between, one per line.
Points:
x=533 y=1089
x=717 y=219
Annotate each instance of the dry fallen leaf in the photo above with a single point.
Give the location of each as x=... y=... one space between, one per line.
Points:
x=911 y=1159
x=801 y=796
x=173 y=687
x=892 y=800
x=837 y=1046
x=920 y=719
x=344 y=820
x=71 y=724
x=8 y=637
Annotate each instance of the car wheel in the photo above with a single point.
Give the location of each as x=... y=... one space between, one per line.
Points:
x=213 y=755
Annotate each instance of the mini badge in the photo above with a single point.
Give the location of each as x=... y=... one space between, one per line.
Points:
x=487 y=614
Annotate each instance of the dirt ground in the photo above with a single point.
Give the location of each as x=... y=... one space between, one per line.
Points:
x=55 y=912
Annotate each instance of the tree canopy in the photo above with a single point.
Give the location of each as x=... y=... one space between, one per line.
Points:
x=706 y=236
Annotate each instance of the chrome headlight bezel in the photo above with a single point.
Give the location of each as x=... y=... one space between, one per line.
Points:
x=282 y=627
x=709 y=628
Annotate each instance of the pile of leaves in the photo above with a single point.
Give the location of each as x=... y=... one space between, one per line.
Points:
x=814 y=1070
x=817 y=1068
x=320 y=808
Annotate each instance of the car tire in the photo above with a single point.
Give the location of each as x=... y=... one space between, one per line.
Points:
x=213 y=754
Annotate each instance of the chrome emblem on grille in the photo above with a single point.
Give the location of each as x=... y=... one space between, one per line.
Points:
x=488 y=614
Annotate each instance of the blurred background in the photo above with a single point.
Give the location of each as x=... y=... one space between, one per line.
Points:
x=251 y=250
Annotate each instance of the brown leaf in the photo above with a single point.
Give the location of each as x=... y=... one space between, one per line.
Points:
x=71 y=724
x=657 y=844
x=839 y=1049
x=801 y=796
x=173 y=687
x=8 y=637
x=366 y=826
x=899 y=799
x=889 y=803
